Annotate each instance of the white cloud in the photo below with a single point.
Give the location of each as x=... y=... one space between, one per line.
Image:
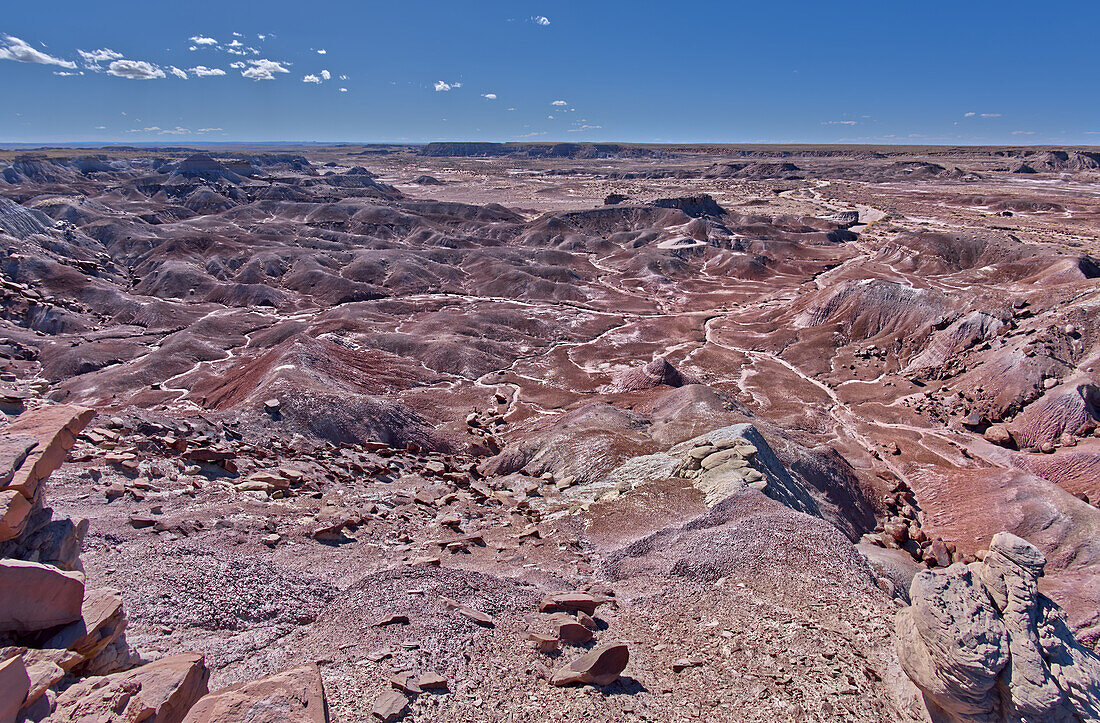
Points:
x=207 y=130
x=511 y=109
x=134 y=70
x=441 y=86
x=177 y=131
x=311 y=78
x=343 y=90
x=203 y=40
x=101 y=128
x=559 y=103
x=68 y=73
x=236 y=35
x=325 y=75
x=321 y=51
x=839 y=123
x=16 y=49
x=238 y=65
x=1023 y=133
x=177 y=72
x=991 y=115
x=263 y=69
x=95 y=57
x=150 y=129
x=971 y=114
x=343 y=77
x=582 y=129
x=541 y=20
x=262 y=37
x=201 y=71
x=489 y=96
x=235 y=44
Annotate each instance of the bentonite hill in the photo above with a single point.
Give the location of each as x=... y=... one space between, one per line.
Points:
x=521 y=432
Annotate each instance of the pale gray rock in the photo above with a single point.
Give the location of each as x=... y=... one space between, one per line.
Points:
x=983 y=645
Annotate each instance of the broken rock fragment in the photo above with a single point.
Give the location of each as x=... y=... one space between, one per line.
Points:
x=390 y=706
x=601 y=666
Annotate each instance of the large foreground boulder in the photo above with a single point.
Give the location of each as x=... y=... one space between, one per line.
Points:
x=982 y=644
x=36 y=597
x=292 y=696
x=160 y=692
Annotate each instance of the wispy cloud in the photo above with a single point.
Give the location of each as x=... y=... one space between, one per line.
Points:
x=201 y=71
x=971 y=114
x=839 y=123
x=343 y=90
x=325 y=75
x=207 y=130
x=262 y=69
x=540 y=20
x=16 y=49
x=95 y=57
x=179 y=73
x=489 y=96
x=582 y=129
x=559 y=103
x=443 y=86
x=1023 y=133
x=134 y=70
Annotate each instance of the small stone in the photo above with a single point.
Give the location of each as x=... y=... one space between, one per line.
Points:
x=475 y=615
x=432 y=681
x=390 y=706
x=405 y=683
x=395 y=619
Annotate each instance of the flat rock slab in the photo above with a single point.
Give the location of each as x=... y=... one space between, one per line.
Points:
x=292 y=696
x=55 y=428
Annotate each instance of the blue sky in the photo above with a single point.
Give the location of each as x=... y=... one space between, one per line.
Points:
x=816 y=72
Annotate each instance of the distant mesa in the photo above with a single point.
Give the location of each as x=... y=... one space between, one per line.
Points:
x=427 y=181
x=701 y=205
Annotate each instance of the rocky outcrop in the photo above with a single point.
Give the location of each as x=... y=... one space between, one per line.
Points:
x=982 y=644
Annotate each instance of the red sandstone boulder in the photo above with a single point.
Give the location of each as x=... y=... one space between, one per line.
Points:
x=159 y=692
x=36 y=597
x=292 y=696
